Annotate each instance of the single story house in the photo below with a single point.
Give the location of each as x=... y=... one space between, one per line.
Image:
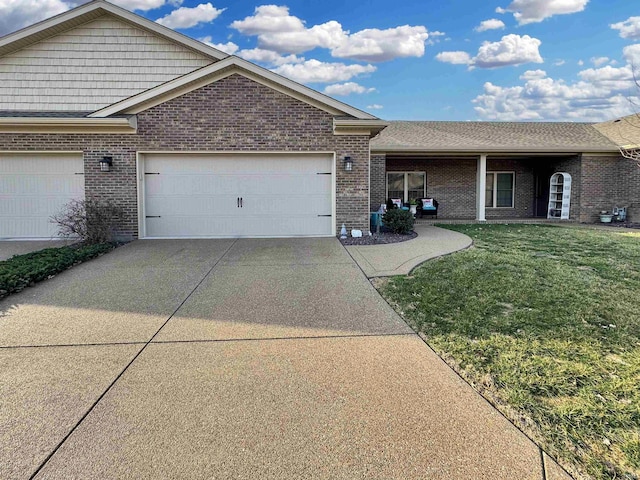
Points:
x=192 y=142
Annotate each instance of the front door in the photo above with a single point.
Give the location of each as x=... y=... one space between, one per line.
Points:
x=541 y=201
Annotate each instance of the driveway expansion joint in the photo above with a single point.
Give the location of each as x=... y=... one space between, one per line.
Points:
x=61 y=345
x=267 y=339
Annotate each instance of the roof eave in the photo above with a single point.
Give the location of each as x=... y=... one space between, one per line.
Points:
x=68 y=125
x=358 y=127
x=483 y=150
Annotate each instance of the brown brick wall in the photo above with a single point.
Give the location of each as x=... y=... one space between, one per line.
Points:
x=378 y=183
x=524 y=187
x=607 y=182
x=452 y=182
x=630 y=172
x=232 y=114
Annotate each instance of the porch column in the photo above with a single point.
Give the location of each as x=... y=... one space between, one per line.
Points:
x=481 y=188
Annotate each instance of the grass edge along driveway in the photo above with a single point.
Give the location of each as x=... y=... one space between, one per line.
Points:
x=545 y=322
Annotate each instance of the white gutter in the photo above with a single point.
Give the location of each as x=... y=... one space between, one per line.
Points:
x=67 y=125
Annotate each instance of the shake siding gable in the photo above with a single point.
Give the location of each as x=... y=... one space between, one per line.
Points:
x=91 y=66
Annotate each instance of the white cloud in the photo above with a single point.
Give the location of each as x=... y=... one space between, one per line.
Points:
x=228 y=47
x=533 y=74
x=186 y=17
x=580 y=63
x=269 y=19
x=630 y=28
x=491 y=24
x=314 y=71
x=600 y=94
x=374 y=45
x=16 y=14
x=533 y=11
x=348 y=88
x=268 y=57
x=631 y=54
x=559 y=62
x=375 y=106
x=599 y=61
x=510 y=50
x=456 y=58
x=281 y=32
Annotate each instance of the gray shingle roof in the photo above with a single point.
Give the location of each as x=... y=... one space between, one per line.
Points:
x=623 y=131
x=491 y=137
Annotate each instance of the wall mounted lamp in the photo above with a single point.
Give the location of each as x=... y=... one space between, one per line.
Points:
x=105 y=164
x=348 y=164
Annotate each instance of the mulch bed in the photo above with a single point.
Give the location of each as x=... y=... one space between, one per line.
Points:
x=378 y=239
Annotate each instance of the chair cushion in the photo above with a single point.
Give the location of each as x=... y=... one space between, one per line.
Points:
x=397 y=201
x=427 y=204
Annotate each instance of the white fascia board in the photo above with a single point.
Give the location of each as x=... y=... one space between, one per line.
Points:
x=67 y=125
x=106 y=7
x=203 y=76
x=358 y=127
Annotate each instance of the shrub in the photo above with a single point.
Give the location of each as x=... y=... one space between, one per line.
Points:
x=398 y=221
x=92 y=220
x=21 y=271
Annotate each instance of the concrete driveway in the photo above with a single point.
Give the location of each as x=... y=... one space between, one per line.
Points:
x=235 y=359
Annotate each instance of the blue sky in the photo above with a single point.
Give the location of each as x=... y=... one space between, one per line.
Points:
x=433 y=60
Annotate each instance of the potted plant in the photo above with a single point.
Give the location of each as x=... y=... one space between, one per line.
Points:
x=413 y=204
x=605 y=216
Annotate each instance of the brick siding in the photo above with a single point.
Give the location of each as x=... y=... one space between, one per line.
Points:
x=232 y=114
x=607 y=182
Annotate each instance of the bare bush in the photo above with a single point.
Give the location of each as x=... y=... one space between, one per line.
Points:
x=93 y=220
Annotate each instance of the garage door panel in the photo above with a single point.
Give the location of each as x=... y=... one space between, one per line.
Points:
x=197 y=195
x=33 y=188
x=188 y=205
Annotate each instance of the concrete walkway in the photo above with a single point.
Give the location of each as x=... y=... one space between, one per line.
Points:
x=253 y=359
x=401 y=258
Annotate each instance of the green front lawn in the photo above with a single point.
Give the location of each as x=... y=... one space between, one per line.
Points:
x=545 y=322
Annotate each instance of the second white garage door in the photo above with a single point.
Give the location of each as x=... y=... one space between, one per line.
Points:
x=238 y=195
x=33 y=187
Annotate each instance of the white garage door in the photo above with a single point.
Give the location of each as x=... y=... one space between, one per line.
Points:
x=240 y=195
x=33 y=187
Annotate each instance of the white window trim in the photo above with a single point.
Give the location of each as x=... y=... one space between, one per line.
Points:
x=406 y=184
x=495 y=189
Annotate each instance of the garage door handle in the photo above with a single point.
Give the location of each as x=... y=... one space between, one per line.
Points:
x=241 y=202
x=152 y=216
x=324 y=215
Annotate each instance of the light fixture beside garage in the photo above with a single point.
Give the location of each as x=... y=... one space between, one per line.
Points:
x=348 y=164
x=105 y=164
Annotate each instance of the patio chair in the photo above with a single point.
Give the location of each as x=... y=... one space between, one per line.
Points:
x=427 y=206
